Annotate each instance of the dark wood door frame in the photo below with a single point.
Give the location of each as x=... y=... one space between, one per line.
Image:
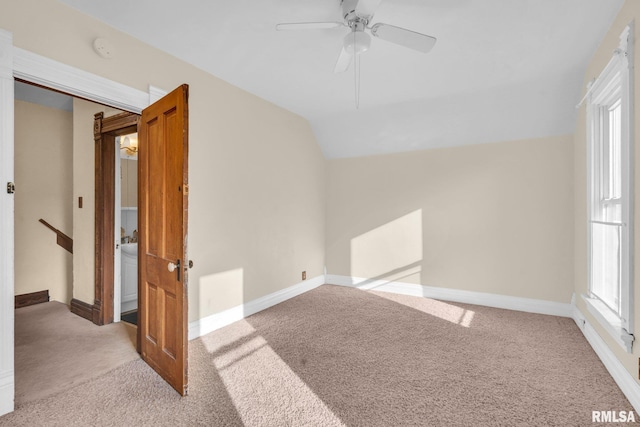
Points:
x=105 y=131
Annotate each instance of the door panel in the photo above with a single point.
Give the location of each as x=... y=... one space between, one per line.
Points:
x=163 y=149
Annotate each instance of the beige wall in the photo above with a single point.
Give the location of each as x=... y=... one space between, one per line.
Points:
x=256 y=202
x=494 y=218
x=630 y=11
x=84 y=186
x=43 y=176
x=129 y=183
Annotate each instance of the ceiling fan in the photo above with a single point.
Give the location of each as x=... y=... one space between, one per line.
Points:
x=357 y=15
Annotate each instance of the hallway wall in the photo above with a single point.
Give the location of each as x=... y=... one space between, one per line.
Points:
x=43 y=177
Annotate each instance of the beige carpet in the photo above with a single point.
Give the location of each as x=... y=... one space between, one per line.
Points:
x=55 y=350
x=339 y=356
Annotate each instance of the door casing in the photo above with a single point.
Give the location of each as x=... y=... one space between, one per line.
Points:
x=105 y=131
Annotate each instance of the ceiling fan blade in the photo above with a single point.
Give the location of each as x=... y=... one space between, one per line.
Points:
x=366 y=8
x=309 y=25
x=404 y=37
x=344 y=60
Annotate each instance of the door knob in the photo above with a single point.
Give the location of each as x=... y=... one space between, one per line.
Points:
x=174 y=267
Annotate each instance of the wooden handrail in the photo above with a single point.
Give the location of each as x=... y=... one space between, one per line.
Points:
x=62 y=239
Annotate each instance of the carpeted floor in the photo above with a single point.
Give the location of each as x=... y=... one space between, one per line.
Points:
x=339 y=356
x=55 y=350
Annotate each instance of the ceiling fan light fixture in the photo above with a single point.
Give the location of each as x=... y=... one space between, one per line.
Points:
x=357 y=42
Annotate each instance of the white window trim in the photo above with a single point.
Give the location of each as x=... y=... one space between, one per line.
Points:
x=610 y=322
x=621 y=329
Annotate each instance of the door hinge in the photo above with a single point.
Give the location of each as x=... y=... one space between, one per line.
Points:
x=11 y=188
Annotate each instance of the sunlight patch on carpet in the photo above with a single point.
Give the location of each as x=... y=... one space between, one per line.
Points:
x=439 y=309
x=235 y=333
x=256 y=377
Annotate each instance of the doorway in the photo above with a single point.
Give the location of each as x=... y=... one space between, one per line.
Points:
x=126 y=289
x=109 y=133
x=116 y=220
x=47 y=335
x=33 y=68
x=164 y=190
x=36 y=69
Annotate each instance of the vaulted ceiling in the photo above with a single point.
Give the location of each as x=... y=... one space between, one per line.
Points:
x=501 y=69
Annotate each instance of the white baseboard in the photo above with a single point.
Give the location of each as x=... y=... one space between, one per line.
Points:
x=621 y=376
x=128 y=306
x=6 y=392
x=455 y=295
x=224 y=318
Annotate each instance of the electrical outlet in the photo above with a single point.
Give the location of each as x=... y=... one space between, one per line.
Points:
x=304 y=275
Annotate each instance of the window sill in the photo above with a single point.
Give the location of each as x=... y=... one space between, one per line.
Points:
x=610 y=322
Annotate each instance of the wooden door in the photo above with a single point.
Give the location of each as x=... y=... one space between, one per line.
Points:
x=163 y=192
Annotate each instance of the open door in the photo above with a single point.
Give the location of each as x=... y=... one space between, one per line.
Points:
x=162 y=210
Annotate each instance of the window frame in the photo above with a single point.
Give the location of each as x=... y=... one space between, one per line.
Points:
x=615 y=84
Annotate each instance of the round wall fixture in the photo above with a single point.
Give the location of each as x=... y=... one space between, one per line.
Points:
x=104 y=48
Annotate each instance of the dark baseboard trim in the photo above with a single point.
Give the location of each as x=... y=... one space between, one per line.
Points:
x=82 y=309
x=97 y=311
x=32 y=298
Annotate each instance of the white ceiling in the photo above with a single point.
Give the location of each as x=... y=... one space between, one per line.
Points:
x=501 y=69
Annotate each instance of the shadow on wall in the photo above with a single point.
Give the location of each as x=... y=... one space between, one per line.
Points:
x=391 y=252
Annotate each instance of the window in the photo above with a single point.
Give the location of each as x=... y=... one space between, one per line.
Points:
x=609 y=115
